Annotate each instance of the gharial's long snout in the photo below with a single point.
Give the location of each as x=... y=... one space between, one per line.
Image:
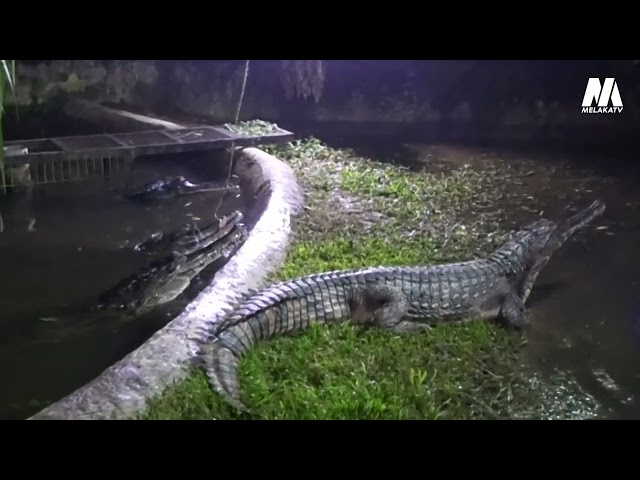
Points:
x=579 y=220
x=216 y=186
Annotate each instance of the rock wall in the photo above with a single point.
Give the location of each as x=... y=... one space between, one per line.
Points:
x=439 y=99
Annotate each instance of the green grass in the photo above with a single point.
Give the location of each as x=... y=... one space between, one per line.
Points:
x=366 y=213
x=342 y=372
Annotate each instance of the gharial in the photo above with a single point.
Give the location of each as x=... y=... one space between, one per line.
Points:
x=401 y=299
x=183 y=254
x=178 y=258
x=171 y=187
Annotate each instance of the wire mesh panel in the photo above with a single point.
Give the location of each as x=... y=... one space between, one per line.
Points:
x=77 y=158
x=76 y=168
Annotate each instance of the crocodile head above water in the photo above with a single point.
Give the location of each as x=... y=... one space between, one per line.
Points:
x=187 y=252
x=538 y=241
x=169 y=187
x=189 y=238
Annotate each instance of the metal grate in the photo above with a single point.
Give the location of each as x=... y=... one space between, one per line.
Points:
x=86 y=142
x=134 y=139
x=66 y=170
x=205 y=134
x=69 y=159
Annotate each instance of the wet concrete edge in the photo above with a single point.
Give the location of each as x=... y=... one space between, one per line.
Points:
x=122 y=390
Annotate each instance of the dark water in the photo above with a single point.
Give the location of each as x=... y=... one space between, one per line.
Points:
x=61 y=247
x=587 y=321
x=585 y=305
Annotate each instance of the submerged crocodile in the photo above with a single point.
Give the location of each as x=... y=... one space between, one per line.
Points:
x=400 y=299
x=169 y=187
x=178 y=258
x=185 y=253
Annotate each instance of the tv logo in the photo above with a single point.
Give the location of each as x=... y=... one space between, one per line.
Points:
x=603 y=95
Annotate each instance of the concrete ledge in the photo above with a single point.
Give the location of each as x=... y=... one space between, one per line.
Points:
x=119 y=119
x=123 y=389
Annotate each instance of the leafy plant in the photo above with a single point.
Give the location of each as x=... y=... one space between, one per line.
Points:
x=252 y=127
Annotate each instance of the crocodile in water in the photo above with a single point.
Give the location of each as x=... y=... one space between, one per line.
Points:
x=186 y=253
x=401 y=299
x=169 y=187
x=178 y=258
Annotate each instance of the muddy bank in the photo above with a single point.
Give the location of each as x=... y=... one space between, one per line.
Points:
x=123 y=389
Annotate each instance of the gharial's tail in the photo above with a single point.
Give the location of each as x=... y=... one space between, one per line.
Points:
x=221 y=366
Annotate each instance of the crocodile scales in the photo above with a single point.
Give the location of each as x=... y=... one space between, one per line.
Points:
x=179 y=257
x=401 y=299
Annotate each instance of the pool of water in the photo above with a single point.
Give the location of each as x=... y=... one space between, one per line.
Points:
x=585 y=305
x=586 y=311
x=63 y=245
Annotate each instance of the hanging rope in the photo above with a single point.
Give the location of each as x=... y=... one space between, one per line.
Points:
x=236 y=120
x=303 y=78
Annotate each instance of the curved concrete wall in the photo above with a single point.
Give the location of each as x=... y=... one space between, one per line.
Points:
x=123 y=389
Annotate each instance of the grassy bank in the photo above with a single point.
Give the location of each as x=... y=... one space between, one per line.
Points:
x=366 y=213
